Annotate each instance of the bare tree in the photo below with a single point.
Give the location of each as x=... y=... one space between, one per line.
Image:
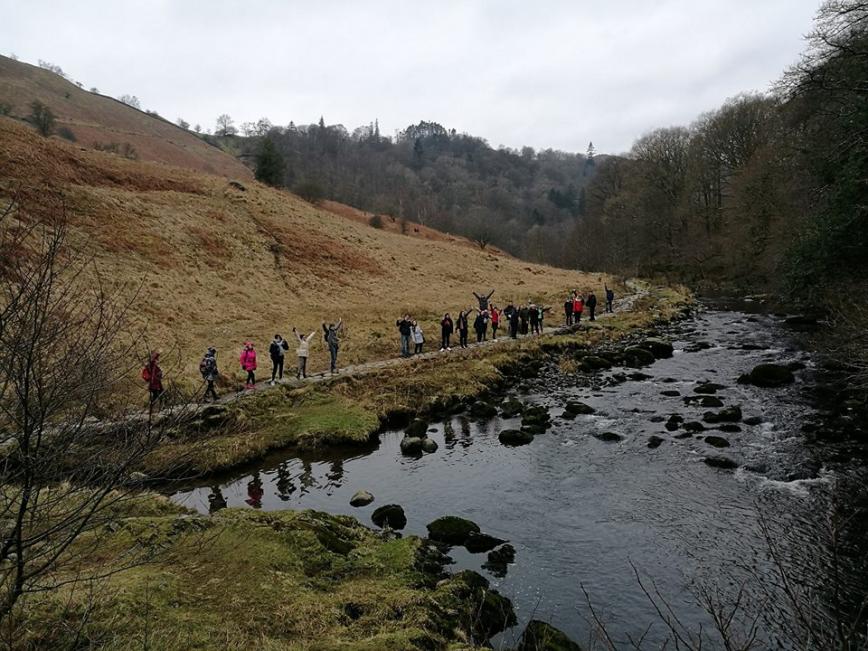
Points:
x=130 y=100
x=225 y=126
x=63 y=361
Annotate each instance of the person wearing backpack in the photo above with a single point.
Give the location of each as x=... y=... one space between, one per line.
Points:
x=208 y=369
x=418 y=338
x=331 y=334
x=568 y=311
x=302 y=352
x=248 y=364
x=153 y=375
x=446 y=330
x=276 y=351
x=480 y=326
x=495 y=321
x=462 y=327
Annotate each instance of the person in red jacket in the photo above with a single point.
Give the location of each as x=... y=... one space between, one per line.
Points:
x=153 y=375
x=248 y=363
x=578 y=307
x=495 y=321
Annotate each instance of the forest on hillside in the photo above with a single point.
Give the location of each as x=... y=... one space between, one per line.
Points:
x=768 y=192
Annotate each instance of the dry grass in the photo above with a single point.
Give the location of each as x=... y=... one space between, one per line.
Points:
x=218 y=265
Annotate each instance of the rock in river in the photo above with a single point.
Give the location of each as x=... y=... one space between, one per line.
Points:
x=390 y=514
x=708 y=387
x=728 y=415
x=608 y=437
x=717 y=441
x=411 y=445
x=660 y=348
x=637 y=357
x=482 y=410
x=515 y=437
x=768 y=376
x=724 y=463
x=511 y=408
x=654 y=442
x=417 y=429
x=539 y=636
x=429 y=445
x=361 y=498
x=576 y=408
x=452 y=530
x=478 y=543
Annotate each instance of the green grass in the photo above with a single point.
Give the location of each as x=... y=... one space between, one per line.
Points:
x=245 y=579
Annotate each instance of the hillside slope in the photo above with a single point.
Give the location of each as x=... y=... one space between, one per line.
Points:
x=219 y=264
x=98 y=119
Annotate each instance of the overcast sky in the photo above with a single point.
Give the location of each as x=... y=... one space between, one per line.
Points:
x=516 y=72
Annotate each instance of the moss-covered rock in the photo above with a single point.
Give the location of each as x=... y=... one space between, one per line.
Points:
x=481 y=409
x=660 y=348
x=575 y=407
x=539 y=636
x=516 y=436
x=636 y=357
x=478 y=543
x=482 y=611
x=451 y=529
x=417 y=429
x=391 y=515
x=411 y=445
x=511 y=408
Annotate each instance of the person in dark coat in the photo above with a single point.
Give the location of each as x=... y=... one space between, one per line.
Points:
x=568 y=310
x=446 y=330
x=591 y=304
x=208 y=369
x=331 y=335
x=523 y=316
x=405 y=327
x=277 y=351
x=610 y=298
x=513 y=323
x=483 y=300
x=462 y=327
x=533 y=316
x=480 y=326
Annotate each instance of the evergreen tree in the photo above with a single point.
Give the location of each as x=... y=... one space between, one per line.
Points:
x=270 y=166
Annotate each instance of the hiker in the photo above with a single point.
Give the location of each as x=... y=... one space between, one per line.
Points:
x=277 y=350
x=533 y=317
x=513 y=323
x=405 y=327
x=568 y=310
x=495 y=321
x=483 y=300
x=542 y=312
x=591 y=303
x=418 y=338
x=523 y=316
x=446 y=330
x=461 y=324
x=610 y=298
x=578 y=307
x=153 y=375
x=480 y=326
x=208 y=369
x=331 y=335
x=248 y=363
x=302 y=352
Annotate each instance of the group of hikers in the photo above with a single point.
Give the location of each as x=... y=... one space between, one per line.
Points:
x=519 y=319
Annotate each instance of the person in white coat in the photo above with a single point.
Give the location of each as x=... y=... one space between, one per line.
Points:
x=302 y=351
x=418 y=337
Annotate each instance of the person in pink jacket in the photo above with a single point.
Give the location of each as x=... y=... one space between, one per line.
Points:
x=248 y=363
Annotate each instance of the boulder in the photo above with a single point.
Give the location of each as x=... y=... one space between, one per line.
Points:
x=670 y=393
x=660 y=348
x=654 y=442
x=417 y=429
x=576 y=408
x=539 y=636
x=675 y=421
x=639 y=377
x=717 y=441
x=683 y=435
x=471 y=598
x=727 y=415
x=411 y=445
x=608 y=437
x=710 y=402
x=535 y=429
x=213 y=416
x=477 y=543
x=724 y=463
x=593 y=363
x=503 y=554
x=361 y=498
x=515 y=437
x=452 y=530
x=636 y=357
x=657 y=419
x=483 y=410
x=768 y=376
x=694 y=426
x=753 y=420
x=391 y=515
x=429 y=445
x=511 y=408
x=732 y=428
x=708 y=387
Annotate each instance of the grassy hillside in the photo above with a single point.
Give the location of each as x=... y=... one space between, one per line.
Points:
x=97 y=119
x=220 y=263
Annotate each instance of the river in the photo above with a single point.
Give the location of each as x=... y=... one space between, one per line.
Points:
x=582 y=513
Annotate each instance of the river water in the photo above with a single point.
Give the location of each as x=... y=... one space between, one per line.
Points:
x=583 y=513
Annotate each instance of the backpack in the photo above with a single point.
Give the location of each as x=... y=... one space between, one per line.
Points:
x=207 y=366
x=146 y=374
